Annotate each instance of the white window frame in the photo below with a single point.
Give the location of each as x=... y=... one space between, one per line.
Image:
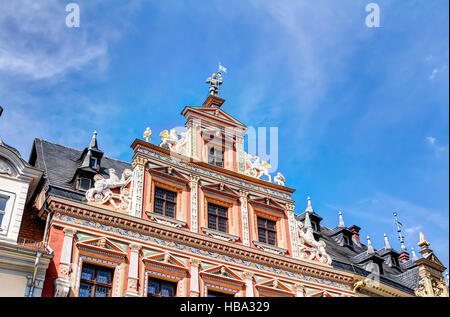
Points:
x=10 y=197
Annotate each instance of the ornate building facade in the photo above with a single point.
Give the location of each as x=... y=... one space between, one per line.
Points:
x=194 y=217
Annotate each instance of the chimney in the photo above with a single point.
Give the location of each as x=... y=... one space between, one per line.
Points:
x=404 y=256
x=355 y=229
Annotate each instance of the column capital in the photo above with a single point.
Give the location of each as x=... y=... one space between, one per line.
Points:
x=194 y=178
x=195 y=262
x=135 y=247
x=290 y=207
x=248 y=275
x=243 y=193
x=69 y=232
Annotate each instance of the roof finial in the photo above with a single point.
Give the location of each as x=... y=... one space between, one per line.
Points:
x=307 y=223
x=370 y=248
x=147 y=135
x=93 y=144
x=399 y=230
x=414 y=255
x=341 y=220
x=309 y=208
x=387 y=245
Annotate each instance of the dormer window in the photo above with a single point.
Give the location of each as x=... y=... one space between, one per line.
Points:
x=314 y=226
x=84 y=183
x=93 y=162
x=215 y=156
x=394 y=261
x=347 y=240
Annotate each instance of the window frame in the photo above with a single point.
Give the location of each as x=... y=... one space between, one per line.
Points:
x=218 y=216
x=9 y=207
x=93 y=283
x=165 y=200
x=79 y=183
x=93 y=159
x=161 y=283
x=215 y=156
x=267 y=230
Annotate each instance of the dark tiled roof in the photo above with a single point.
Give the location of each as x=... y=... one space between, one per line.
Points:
x=60 y=164
x=351 y=259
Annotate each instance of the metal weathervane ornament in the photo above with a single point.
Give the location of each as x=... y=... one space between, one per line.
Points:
x=399 y=230
x=215 y=81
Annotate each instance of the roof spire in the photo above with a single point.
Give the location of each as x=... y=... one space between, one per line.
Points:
x=414 y=255
x=341 y=220
x=307 y=223
x=309 y=208
x=387 y=245
x=93 y=144
x=399 y=230
x=370 y=248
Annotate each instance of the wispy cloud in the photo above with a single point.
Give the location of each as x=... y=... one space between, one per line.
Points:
x=433 y=143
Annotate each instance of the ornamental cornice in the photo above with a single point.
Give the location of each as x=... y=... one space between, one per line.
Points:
x=137 y=225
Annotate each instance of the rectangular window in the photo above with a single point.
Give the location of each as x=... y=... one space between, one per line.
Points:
x=3 y=201
x=215 y=156
x=84 y=183
x=93 y=162
x=95 y=281
x=217 y=217
x=161 y=288
x=165 y=202
x=266 y=231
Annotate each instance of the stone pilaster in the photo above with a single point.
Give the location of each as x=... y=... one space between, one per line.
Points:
x=194 y=203
x=195 y=282
x=249 y=292
x=244 y=211
x=293 y=230
x=62 y=283
x=137 y=188
x=300 y=290
x=133 y=272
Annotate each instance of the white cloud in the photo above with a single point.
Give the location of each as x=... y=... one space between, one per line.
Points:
x=431 y=140
x=433 y=73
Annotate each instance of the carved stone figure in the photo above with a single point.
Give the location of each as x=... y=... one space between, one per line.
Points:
x=147 y=135
x=279 y=179
x=102 y=193
x=257 y=168
x=170 y=139
x=214 y=81
x=4 y=169
x=309 y=247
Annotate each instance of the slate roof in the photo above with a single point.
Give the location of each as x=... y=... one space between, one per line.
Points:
x=352 y=260
x=60 y=164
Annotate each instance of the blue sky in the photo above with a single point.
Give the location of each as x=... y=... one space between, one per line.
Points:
x=362 y=112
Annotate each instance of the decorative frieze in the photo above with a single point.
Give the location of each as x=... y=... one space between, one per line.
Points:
x=275 y=269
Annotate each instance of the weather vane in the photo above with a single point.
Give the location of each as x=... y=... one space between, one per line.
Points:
x=399 y=230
